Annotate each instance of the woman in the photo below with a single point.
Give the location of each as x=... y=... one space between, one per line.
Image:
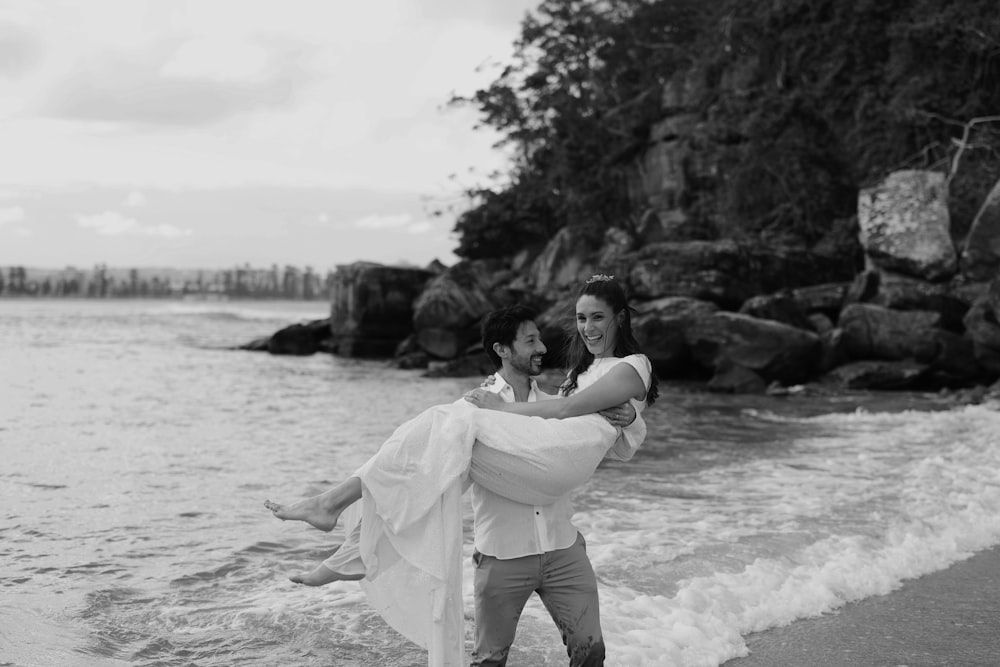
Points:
x=409 y=535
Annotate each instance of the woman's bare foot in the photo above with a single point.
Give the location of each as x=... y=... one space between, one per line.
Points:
x=320 y=511
x=313 y=511
x=323 y=575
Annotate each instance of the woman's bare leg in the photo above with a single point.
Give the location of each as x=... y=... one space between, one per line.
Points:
x=320 y=511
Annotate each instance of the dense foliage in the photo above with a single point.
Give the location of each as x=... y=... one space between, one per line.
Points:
x=797 y=104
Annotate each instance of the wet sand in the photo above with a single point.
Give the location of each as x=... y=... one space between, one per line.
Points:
x=951 y=617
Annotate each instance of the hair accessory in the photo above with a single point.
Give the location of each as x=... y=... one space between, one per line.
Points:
x=599 y=278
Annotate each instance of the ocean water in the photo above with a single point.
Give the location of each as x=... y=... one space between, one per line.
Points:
x=136 y=452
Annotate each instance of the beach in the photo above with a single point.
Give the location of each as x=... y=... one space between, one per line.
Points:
x=948 y=618
x=138 y=451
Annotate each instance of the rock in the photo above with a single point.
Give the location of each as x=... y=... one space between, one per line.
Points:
x=735 y=379
x=876 y=332
x=724 y=272
x=472 y=365
x=842 y=244
x=413 y=360
x=955 y=363
x=863 y=288
x=704 y=270
x=660 y=328
x=825 y=298
x=372 y=309
x=983 y=328
x=877 y=375
x=905 y=227
x=556 y=324
x=900 y=292
x=773 y=350
x=300 y=339
x=563 y=264
x=778 y=307
x=657 y=226
x=616 y=244
x=447 y=313
x=980 y=258
x=256 y=345
x=833 y=350
x=820 y=323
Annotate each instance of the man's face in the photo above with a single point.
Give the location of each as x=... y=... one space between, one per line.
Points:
x=527 y=350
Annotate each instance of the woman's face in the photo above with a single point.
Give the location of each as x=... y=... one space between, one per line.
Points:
x=597 y=325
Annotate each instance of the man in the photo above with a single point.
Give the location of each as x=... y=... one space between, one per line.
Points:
x=521 y=549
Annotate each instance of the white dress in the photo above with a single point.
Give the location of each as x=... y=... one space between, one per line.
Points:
x=405 y=534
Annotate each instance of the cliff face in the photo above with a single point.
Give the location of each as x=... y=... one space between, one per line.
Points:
x=372 y=308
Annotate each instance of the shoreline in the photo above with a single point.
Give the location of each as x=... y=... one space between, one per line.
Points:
x=949 y=617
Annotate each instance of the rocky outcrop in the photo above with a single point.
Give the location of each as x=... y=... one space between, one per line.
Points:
x=726 y=272
x=875 y=332
x=448 y=311
x=983 y=325
x=905 y=225
x=981 y=251
x=661 y=327
x=774 y=351
x=906 y=321
x=372 y=309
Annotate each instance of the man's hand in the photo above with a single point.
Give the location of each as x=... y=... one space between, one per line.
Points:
x=622 y=415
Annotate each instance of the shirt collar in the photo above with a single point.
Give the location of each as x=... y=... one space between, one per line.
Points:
x=504 y=388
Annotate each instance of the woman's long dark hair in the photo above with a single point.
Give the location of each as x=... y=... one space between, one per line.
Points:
x=579 y=358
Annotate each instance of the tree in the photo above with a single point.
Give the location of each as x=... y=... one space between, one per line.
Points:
x=796 y=105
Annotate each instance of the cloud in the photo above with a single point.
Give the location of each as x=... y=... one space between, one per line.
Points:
x=166 y=231
x=19 y=49
x=113 y=223
x=384 y=221
x=12 y=214
x=134 y=200
x=143 y=89
x=403 y=222
x=109 y=223
x=220 y=59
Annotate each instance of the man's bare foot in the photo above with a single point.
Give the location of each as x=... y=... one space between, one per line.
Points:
x=323 y=575
x=318 y=512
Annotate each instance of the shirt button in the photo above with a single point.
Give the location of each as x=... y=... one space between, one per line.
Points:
x=537 y=513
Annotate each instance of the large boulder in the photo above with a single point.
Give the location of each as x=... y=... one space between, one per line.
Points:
x=300 y=339
x=772 y=350
x=825 y=298
x=905 y=227
x=876 y=332
x=982 y=325
x=871 y=374
x=660 y=328
x=779 y=307
x=899 y=292
x=447 y=313
x=565 y=259
x=981 y=250
x=704 y=270
x=372 y=307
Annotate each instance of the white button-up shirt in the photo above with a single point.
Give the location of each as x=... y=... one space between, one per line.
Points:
x=507 y=529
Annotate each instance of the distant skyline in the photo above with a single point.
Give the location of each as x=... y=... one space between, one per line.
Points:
x=211 y=133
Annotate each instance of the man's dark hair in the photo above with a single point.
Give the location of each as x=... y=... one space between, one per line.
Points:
x=501 y=326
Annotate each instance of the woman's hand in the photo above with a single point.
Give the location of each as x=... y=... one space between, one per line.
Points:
x=619 y=416
x=482 y=398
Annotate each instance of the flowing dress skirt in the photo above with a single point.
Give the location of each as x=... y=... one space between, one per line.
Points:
x=408 y=528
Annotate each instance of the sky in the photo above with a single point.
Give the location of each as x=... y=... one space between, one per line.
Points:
x=212 y=133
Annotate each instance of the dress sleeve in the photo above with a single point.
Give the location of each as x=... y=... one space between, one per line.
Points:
x=642 y=366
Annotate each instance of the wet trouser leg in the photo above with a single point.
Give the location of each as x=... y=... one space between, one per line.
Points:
x=565 y=582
